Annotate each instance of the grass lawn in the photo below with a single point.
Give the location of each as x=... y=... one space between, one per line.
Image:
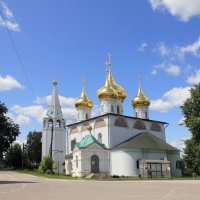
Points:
x=54 y=176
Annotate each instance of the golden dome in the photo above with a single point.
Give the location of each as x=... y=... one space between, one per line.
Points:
x=120 y=90
x=107 y=91
x=140 y=99
x=83 y=101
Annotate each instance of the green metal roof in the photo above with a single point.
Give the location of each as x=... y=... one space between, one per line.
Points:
x=87 y=141
x=145 y=141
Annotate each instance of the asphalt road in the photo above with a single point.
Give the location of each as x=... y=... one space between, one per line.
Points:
x=26 y=187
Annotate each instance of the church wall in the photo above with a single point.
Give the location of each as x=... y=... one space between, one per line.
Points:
x=84 y=160
x=155 y=155
x=128 y=160
x=123 y=163
x=119 y=134
x=173 y=158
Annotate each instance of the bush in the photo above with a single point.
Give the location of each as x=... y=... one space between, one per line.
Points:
x=46 y=165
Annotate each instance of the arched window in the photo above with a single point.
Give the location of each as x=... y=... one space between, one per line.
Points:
x=73 y=129
x=155 y=127
x=76 y=161
x=58 y=124
x=100 y=137
x=85 y=127
x=112 y=108
x=139 y=125
x=73 y=142
x=121 y=122
x=118 y=109
x=50 y=123
x=100 y=123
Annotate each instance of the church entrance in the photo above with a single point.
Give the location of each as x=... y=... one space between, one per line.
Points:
x=94 y=164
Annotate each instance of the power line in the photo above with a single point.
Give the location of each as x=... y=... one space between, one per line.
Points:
x=17 y=53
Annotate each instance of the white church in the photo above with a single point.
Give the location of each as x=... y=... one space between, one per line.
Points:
x=111 y=143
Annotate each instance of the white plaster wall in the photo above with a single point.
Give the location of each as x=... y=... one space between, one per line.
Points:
x=58 y=145
x=120 y=134
x=155 y=155
x=84 y=156
x=173 y=157
x=105 y=106
x=81 y=114
x=141 y=110
x=124 y=163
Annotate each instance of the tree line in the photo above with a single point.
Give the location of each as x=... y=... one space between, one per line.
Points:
x=26 y=155
x=29 y=155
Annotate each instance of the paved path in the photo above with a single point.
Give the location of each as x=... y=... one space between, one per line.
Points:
x=26 y=187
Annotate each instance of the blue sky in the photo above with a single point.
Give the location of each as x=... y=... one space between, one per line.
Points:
x=69 y=39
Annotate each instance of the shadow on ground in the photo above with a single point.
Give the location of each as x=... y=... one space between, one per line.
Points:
x=15 y=182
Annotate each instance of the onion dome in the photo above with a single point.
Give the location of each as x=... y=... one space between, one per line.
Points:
x=83 y=101
x=140 y=99
x=107 y=91
x=120 y=90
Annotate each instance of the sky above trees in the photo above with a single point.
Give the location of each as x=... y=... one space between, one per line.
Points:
x=68 y=41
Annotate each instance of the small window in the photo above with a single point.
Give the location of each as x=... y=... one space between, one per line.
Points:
x=50 y=123
x=177 y=164
x=100 y=137
x=58 y=124
x=138 y=164
x=112 y=108
x=86 y=116
x=136 y=114
x=73 y=142
x=76 y=161
x=118 y=110
x=146 y=116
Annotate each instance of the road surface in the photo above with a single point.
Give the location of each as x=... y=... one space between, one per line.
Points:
x=19 y=186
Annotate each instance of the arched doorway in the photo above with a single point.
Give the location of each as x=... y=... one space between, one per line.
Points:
x=94 y=164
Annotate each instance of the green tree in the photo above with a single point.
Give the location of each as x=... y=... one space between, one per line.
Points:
x=14 y=156
x=46 y=165
x=34 y=147
x=191 y=113
x=8 y=130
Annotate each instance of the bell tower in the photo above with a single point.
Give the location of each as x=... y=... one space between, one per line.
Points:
x=54 y=133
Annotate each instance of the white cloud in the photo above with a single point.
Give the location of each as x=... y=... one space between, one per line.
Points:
x=193 y=49
x=171 y=69
x=178 y=143
x=183 y=9
x=8 y=83
x=172 y=98
x=8 y=18
x=194 y=79
x=163 y=49
x=142 y=46
x=154 y=72
x=20 y=118
x=35 y=111
x=64 y=101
